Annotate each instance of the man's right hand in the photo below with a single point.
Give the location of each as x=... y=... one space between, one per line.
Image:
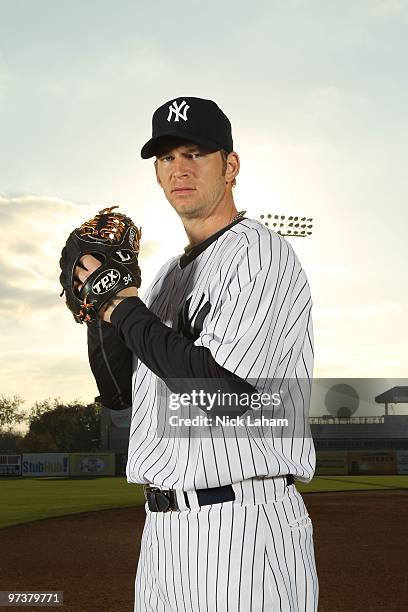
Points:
x=90 y=264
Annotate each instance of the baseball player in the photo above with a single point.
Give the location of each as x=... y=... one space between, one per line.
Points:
x=226 y=529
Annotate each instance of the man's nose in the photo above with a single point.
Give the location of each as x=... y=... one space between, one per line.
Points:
x=180 y=167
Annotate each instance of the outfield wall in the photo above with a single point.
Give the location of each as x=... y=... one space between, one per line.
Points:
x=58 y=464
x=328 y=463
x=10 y=465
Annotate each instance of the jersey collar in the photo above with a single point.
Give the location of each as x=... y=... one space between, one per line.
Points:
x=190 y=253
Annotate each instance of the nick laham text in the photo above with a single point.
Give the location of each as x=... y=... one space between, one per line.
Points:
x=226 y=421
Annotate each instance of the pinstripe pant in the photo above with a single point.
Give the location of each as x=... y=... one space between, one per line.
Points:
x=255 y=553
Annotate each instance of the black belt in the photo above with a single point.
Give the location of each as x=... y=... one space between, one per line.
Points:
x=162 y=501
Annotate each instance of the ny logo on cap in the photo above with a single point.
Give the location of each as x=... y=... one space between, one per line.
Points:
x=173 y=108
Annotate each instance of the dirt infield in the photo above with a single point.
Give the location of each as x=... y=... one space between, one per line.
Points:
x=361 y=540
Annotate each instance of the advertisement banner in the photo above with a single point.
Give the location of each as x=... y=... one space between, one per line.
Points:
x=92 y=464
x=402 y=462
x=45 y=464
x=372 y=462
x=332 y=463
x=10 y=465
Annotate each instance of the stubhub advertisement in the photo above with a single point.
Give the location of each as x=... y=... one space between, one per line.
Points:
x=45 y=464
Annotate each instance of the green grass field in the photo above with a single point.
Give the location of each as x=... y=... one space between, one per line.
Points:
x=29 y=499
x=323 y=484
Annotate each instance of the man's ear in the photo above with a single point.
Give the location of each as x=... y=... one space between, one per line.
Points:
x=233 y=166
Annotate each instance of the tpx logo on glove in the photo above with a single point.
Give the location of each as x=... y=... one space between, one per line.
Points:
x=105 y=281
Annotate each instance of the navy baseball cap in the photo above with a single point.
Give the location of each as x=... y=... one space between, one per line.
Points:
x=192 y=119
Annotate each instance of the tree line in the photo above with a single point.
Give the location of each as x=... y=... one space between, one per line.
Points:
x=53 y=426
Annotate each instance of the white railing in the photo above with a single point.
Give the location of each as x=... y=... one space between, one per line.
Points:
x=328 y=419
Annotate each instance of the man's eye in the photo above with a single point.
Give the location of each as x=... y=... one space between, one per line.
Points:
x=166 y=158
x=195 y=154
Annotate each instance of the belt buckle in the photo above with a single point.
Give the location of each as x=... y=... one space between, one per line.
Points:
x=158 y=501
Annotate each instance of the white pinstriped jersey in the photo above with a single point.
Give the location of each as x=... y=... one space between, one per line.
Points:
x=255 y=296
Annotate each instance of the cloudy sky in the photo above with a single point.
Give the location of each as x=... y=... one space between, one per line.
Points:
x=317 y=95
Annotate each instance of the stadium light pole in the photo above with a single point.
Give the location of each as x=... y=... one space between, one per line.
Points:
x=292 y=225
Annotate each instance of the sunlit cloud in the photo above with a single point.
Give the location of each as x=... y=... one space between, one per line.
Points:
x=38 y=374
x=34 y=230
x=4 y=74
x=384 y=8
x=330 y=271
x=149 y=248
x=360 y=312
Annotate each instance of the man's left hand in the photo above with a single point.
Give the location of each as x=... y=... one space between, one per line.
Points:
x=90 y=264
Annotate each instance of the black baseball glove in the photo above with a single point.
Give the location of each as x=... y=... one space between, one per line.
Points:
x=114 y=240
